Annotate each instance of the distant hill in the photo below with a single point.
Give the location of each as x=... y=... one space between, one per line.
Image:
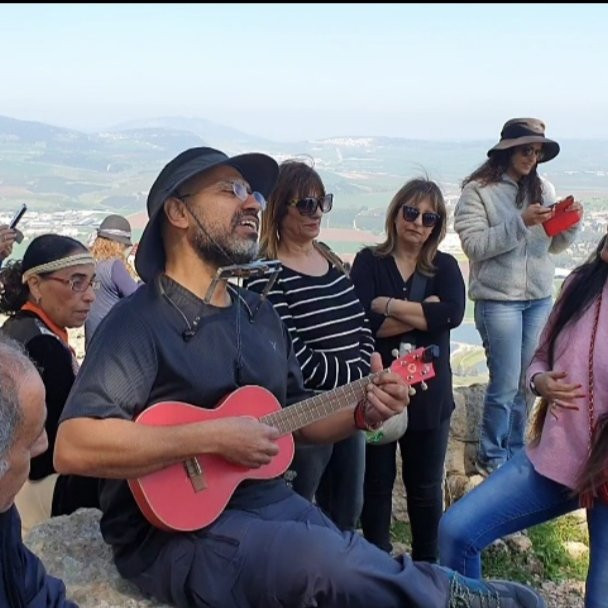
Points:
x=55 y=168
x=220 y=135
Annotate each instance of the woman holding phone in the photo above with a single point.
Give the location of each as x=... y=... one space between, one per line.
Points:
x=499 y=219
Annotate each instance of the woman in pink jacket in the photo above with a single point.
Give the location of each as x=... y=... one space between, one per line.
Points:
x=565 y=464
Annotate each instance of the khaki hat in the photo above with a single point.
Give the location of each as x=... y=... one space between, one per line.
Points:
x=521 y=131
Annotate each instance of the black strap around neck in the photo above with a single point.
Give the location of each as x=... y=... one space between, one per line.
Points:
x=416 y=294
x=418 y=288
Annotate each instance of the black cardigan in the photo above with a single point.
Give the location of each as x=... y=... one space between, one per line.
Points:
x=375 y=276
x=57 y=368
x=54 y=361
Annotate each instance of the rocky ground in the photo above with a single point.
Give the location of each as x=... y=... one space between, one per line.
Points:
x=568 y=594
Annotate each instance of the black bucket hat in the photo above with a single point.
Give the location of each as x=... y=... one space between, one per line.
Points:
x=259 y=170
x=521 y=131
x=116 y=228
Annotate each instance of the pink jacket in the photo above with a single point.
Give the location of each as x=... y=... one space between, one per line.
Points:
x=564 y=444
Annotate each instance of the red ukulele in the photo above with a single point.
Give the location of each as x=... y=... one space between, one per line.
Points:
x=191 y=495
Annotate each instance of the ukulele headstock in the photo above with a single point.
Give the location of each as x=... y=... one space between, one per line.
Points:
x=415 y=366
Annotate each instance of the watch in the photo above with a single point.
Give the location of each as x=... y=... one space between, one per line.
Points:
x=533 y=385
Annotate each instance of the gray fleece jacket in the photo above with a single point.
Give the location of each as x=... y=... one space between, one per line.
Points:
x=507 y=259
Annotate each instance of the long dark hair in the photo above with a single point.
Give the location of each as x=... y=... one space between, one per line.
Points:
x=575 y=298
x=492 y=170
x=44 y=248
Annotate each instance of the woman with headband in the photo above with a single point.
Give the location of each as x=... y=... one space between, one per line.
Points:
x=44 y=294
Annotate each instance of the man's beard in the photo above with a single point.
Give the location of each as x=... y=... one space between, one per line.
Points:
x=220 y=247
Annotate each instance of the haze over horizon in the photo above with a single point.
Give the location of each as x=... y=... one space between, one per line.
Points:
x=307 y=71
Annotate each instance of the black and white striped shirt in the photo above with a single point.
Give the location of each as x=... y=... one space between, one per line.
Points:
x=330 y=332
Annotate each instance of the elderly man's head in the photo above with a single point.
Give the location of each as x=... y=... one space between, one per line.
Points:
x=22 y=418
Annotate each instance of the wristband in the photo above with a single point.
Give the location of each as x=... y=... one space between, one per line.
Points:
x=361 y=422
x=533 y=385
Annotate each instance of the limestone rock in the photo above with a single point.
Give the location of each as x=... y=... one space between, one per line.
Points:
x=466 y=418
x=575 y=549
x=454 y=488
x=73 y=550
x=518 y=542
x=455 y=457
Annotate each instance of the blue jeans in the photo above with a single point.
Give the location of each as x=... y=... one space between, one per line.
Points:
x=509 y=332
x=333 y=473
x=513 y=498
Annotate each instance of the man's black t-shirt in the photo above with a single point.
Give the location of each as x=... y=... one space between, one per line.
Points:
x=139 y=356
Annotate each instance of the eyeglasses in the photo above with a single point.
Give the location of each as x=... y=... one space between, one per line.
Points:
x=429 y=218
x=78 y=284
x=309 y=204
x=527 y=151
x=240 y=189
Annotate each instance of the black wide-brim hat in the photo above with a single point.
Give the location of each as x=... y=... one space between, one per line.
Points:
x=259 y=170
x=522 y=131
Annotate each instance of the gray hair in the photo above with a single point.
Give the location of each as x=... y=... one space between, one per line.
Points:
x=14 y=363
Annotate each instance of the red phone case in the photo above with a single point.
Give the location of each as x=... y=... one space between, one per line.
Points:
x=562 y=218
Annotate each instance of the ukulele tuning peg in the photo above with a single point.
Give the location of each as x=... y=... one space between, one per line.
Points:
x=405 y=348
x=411 y=391
x=424 y=385
x=395 y=353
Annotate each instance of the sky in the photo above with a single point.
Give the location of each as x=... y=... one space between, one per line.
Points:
x=306 y=71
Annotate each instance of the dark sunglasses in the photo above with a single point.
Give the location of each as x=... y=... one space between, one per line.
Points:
x=429 y=218
x=310 y=204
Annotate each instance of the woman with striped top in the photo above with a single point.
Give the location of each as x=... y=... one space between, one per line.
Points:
x=328 y=327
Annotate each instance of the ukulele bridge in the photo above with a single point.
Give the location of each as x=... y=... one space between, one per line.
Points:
x=195 y=474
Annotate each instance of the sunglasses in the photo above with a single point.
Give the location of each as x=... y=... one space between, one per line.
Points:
x=527 y=151
x=310 y=204
x=429 y=218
